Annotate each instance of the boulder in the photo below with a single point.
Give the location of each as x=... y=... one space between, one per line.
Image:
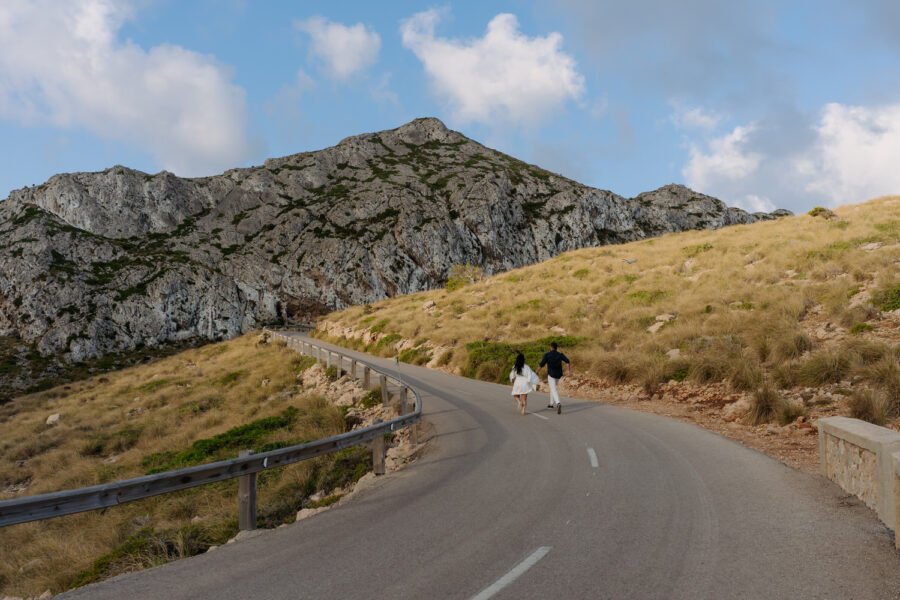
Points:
x=53 y=419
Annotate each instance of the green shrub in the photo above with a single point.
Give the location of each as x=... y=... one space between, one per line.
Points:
x=415 y=356
x=149 y=548
x=696 y=249
x=463 y=275
x=861 y=328
x=581 y=273
x=303 y=363
x=492 y=361
x=208 y=449
x=107 y=444
x=887 y=298
x=445 y=358
x=332 y=373
x=821 y=211
x=371 y=399
x=646 y=297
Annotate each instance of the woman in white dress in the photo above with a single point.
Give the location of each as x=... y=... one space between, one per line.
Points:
x=524 y=381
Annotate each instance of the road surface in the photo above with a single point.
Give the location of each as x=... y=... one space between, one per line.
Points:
x=598 y=502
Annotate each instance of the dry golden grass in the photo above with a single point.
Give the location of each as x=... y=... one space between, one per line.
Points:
x=747 y=299
x=111 y=424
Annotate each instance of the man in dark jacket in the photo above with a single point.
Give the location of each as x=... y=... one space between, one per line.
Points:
x=553 y=360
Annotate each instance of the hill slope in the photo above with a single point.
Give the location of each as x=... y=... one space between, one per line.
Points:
x=810 y=304
x=93 y=263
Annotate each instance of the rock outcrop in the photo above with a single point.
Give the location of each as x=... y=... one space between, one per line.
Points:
x=93 y=263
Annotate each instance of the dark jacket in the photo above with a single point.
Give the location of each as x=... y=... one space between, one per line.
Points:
x=554 y=360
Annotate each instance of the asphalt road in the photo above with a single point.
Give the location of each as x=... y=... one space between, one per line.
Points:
x=598 y=502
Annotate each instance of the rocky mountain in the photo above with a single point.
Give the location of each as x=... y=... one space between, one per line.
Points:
x=92 y=263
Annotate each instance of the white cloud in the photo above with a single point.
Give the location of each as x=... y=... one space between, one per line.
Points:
x=694 y=118
x=753 y=203
x=504 y=75
x=855 y=154
x=344 y=50
x=62 y=63
x=848 y=154
x=726 y=159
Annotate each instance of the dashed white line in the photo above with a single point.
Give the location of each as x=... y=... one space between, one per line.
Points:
x=593 y=456
x=514 y=574
x=539 y=416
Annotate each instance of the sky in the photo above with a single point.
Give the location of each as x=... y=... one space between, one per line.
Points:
x=762 y=103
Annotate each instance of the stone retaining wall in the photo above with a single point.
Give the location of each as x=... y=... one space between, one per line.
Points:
x=863 y=459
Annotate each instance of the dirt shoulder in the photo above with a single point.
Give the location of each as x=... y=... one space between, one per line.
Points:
x=718 y=408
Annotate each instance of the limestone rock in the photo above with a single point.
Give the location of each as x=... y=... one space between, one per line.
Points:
x=674 y=354
x=94 y=263
x=736 y=410
x=53 y=419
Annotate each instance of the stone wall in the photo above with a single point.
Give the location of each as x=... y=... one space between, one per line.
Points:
x=864 y=459
x=854 y=469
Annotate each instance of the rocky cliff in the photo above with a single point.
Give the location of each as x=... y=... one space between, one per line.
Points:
x=98 y=262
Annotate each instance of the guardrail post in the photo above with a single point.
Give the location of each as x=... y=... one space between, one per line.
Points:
x=247 y=499
x=366 y=382
x=318 y=355
x=384 y=391
x=327 y=359
x=403 y=407
x=379 y=451
x=353 y=368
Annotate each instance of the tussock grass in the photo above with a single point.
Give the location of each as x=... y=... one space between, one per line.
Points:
x=748 y=302
x=197 y=406
x=870 y=405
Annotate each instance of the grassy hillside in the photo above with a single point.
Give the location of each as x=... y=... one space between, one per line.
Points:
x=800 y=302
x=198 y=406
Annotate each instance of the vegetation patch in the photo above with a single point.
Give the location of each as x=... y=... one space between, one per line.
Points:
x=492 y=361
x=210 y=449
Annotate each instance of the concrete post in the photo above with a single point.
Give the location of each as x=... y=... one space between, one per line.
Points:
x=379 y=451
x=366 y=373
x=384 y=391
x=247 y=499
x=403 y=407
x=353 y=368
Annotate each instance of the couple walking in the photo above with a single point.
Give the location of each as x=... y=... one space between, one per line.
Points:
x=525 y=380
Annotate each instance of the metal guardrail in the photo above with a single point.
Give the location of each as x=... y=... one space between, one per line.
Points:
x=246 y=466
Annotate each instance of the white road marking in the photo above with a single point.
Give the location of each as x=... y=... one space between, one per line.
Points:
x=539 y=416
x=516 y=572
x=593 y=456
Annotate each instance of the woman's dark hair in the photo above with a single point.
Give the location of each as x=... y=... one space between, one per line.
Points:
x=520 y=363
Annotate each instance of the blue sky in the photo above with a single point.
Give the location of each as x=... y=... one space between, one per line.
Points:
x=763 y=103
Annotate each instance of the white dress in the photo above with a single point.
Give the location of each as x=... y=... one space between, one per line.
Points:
x=522 y=384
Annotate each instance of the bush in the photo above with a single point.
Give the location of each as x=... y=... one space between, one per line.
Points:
x=765 y=405
x=861 y=328
x=492 y=361
x=445 y=358
x=869 y=405
x=237 y=438
x=821 y=211
x=371 y=399
x=415 y=356
x=746 y=375
x=886 y=375
x=788 y=412
x=463 y=275
x=826 y=366
x=887 y=298
x=331 y=373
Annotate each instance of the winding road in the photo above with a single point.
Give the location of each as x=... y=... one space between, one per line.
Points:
x=598 y=502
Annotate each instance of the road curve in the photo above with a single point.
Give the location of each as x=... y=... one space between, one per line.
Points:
x=598 y=502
